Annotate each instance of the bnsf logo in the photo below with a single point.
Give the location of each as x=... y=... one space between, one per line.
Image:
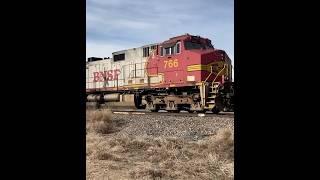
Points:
x=106 y=75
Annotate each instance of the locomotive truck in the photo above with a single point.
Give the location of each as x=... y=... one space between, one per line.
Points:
x=183 y=73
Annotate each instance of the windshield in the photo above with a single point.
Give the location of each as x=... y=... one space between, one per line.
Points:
x=196 y=45
x=192 y=45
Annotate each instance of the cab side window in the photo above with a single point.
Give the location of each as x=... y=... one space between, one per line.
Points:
x=168 y=50
x=178 y=47
x=171 y=50
x=161 y=51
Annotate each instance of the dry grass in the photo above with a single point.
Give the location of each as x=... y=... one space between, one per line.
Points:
x=112 y=156
x=99 y=121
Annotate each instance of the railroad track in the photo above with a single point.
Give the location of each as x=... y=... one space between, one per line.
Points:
x=164 y=113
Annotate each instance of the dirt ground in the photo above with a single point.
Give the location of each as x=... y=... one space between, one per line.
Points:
x=158 y=147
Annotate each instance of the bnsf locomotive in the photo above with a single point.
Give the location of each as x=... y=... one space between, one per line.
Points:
x=183 y=73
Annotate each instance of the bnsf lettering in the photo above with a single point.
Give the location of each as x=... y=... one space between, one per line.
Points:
x=116 y=73
x=110 y=75
x=106 y=75
x=96 y=76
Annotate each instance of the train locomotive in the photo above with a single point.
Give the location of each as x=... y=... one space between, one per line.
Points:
x=183 y=73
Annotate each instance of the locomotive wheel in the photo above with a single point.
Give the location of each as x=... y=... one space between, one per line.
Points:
x=156 y=108
x=215 y=110
x=152 y=107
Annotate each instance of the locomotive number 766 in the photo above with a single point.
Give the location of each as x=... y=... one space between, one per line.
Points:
x=171 y=63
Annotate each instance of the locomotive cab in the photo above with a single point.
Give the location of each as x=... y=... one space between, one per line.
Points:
x=187 y=61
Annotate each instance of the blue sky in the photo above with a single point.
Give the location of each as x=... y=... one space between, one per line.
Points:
x=114 y=25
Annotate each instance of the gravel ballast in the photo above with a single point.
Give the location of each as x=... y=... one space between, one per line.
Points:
x=177 y=126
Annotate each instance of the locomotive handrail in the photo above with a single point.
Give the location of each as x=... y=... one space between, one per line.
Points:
x=208 y=75
x=224 y=66
x=203 y=90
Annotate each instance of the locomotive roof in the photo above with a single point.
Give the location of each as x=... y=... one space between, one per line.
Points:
x=171 y=40
x=181 y=37
x=123 y=51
